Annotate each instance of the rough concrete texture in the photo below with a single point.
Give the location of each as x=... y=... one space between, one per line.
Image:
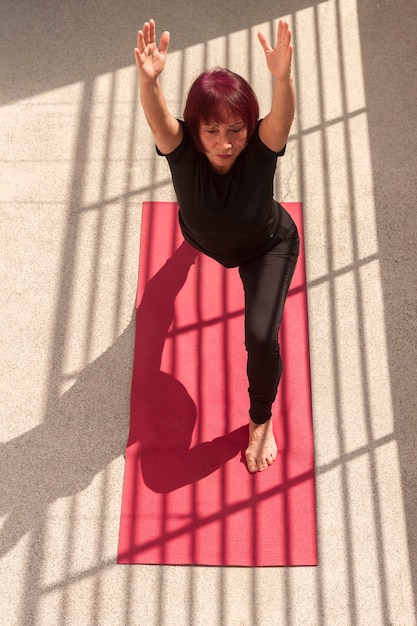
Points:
x=76 y=163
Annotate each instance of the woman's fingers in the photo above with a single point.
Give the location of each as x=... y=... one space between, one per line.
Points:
x=283 y=34
x=264 y=42
x=152 y=30
x=279 y=31
x=283 y=38
x=164 y=42
x=140 y=41
x=146 y=35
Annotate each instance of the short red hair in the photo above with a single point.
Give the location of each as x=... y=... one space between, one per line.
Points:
x=217 y=95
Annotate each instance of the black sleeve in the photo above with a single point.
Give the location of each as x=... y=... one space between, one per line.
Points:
x=179 y=149
x=262 y=147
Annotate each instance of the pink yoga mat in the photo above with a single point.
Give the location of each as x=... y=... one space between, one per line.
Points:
x=187 y=496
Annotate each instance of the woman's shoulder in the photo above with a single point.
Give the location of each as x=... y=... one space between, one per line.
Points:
x=185 y=146
x=257 y=145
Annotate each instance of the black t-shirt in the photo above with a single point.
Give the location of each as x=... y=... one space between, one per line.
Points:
x=231 y=217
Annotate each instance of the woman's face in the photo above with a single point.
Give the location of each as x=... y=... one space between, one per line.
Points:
x=223 y=142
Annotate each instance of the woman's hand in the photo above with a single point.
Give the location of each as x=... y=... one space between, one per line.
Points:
x=278 y=59
x=150 y=59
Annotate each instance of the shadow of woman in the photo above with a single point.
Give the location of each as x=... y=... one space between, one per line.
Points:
x=85 y=428
x=163 y=414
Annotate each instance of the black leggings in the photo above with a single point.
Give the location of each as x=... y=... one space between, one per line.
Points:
x=266 y=282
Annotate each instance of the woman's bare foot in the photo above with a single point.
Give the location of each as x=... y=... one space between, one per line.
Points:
x=262 y=448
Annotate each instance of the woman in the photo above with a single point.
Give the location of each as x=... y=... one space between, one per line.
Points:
x=223 y=161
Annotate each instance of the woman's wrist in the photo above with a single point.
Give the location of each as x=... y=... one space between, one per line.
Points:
x=286 y=80
x=147 y=81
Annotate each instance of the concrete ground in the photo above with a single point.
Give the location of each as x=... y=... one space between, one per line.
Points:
x=76 y=164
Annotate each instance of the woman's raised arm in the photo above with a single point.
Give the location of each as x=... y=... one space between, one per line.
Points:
x=275 y=127
x=150 y=62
